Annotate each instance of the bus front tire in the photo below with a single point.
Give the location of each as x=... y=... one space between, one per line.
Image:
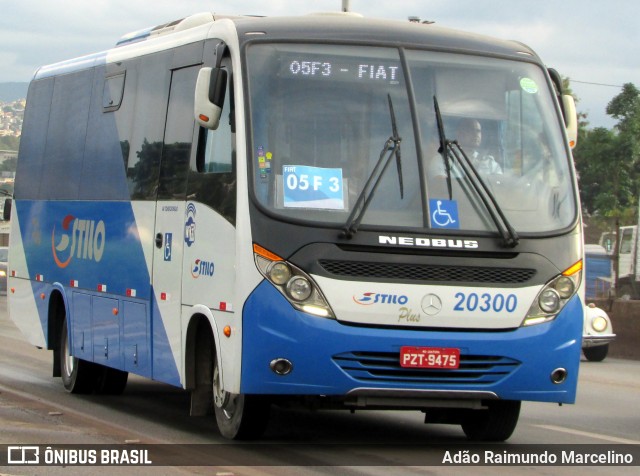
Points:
x=496 y=423
x=78 y=376
x=238 y=416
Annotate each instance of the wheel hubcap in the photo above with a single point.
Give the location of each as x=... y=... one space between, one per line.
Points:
x=220 y=397
x=69 y=359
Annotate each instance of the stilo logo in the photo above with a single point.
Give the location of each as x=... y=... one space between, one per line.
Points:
x=82 y=239
x=368 y=299
x=202 y=268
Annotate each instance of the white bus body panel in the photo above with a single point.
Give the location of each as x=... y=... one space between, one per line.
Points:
x=416 y=305
x=22 y=304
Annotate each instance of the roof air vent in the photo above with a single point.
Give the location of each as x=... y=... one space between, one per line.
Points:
x=166 y=28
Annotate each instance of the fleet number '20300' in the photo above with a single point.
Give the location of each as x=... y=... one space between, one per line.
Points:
x=485 y=302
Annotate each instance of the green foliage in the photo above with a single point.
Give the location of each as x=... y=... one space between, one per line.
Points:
x=608 y=161
x=9 y=143
x=591 y=156
x=9 y=165
x=626 y=108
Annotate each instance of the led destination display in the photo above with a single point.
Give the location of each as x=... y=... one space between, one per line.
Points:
x=342 y=69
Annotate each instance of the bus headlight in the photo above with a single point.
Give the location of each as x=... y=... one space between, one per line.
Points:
x=299 y=288
x=554 y=295
x=294 y=284
x=549 y=300
x=565 y=287
x=279 y=273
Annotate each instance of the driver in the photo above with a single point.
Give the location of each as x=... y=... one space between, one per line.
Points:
x=469 y=137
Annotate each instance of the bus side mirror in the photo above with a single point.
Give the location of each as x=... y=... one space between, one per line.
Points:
x=570 y=119
x=568 y=106
x=211 y=87
x=6 y=211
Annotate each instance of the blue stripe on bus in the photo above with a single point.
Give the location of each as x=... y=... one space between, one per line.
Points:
x=330 y=358
x=93 y=243
x=77 y=246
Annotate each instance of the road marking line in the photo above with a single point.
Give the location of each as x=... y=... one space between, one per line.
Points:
x=613 y=439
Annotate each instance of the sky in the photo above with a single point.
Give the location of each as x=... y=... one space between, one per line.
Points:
x=595 y=43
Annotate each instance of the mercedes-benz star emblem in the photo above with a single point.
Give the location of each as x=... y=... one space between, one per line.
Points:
x=431 y=304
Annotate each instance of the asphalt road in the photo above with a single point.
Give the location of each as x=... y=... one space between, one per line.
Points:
x=35 y=409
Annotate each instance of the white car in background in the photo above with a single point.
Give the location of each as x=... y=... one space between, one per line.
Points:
x=597 y=333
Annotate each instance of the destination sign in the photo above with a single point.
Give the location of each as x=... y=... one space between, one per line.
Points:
x=371 y=71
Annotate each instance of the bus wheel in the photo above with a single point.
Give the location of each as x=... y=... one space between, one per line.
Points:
x=78 y=376
x=239 y=417
x=494 y=424
x=111 y=381
x=596 y=354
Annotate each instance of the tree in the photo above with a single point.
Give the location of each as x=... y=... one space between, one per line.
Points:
x=605 y=185
x=608 y=163
x=9 y=165
x=625 y=107
x=9 y=143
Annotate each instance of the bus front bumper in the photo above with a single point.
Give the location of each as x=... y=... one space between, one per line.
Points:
x=332 y=359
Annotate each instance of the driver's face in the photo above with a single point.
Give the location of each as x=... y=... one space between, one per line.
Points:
x=471 y=135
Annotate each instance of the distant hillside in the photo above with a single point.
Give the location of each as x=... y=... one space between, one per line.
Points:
x=12 y=91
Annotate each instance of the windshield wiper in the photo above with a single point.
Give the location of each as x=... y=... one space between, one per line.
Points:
x=443 y=150
x=510 y=238
x=396 y=139
x=390 y=147
x=452 y=150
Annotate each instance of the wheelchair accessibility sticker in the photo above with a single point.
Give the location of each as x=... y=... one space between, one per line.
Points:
x=444 y=213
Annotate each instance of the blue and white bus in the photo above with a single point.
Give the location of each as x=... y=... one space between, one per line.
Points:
x=274 y=210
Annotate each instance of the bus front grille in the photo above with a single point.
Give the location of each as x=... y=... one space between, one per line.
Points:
x=384 y=367
x=433 y=273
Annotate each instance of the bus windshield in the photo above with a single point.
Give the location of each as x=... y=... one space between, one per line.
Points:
x=324 y=116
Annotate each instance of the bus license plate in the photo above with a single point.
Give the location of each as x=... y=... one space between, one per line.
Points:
x=430 y=357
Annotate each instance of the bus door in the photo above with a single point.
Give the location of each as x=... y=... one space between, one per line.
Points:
x=174 y=225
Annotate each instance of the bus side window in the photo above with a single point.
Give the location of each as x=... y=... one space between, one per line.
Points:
x=215 y=154
x=178 y=135
x=212 y=179
x=113 y=92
